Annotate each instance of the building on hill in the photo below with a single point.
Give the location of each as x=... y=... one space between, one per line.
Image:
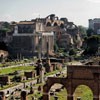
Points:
x=31 y=37
x=94 y=24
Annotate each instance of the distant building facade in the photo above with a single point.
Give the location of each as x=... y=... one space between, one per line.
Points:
x=31 y=37
x=23 y=39
x=95 y=25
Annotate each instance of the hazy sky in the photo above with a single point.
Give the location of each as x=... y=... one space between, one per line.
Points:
x=78 y=11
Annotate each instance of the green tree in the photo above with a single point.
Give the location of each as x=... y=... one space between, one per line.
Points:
x=82 y=30
x=6 y=27
x=92 y=44
x=72 y=51
x=90 y=32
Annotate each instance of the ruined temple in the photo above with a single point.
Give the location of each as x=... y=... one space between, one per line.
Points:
x=29 y=38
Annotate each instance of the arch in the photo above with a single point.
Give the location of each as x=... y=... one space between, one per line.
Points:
x=49 y=84
x=84 y=92
x=62 y=25
x=90 y=78
x=55 y=24
x=48 y=24
x=59 y=91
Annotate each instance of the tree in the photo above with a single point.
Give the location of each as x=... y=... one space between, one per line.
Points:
x=72 y=51
x=90 y=32
x=6 y=27
x=92 y=44
x=82 y=30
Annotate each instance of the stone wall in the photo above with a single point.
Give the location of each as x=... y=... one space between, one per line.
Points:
x=22 y=45
x=88 y=75
x=31 y=74
x=4 y=80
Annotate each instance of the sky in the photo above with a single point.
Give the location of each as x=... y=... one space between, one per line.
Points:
x=77 y=11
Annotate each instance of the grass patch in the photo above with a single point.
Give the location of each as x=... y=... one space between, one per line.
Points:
x=53 y=72
x=62 y=95
x=8 y=86
x=36 y=95
x=82 y=91
x=13 y=69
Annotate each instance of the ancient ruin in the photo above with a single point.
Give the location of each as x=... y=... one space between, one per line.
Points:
x=90 y=78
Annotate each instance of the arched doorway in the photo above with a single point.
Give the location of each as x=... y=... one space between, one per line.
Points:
x=83 y=92
x=62 y=25
x=48 y=24
x=55 y=24
x=57 y=91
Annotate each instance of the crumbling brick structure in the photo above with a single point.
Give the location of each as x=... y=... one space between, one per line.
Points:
x=4 y=79
x=30 y=74
x=77 y=75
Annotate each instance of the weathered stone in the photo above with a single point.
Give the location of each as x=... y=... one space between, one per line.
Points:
x=4 y=79
x=29 y=74
x=77 y=75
